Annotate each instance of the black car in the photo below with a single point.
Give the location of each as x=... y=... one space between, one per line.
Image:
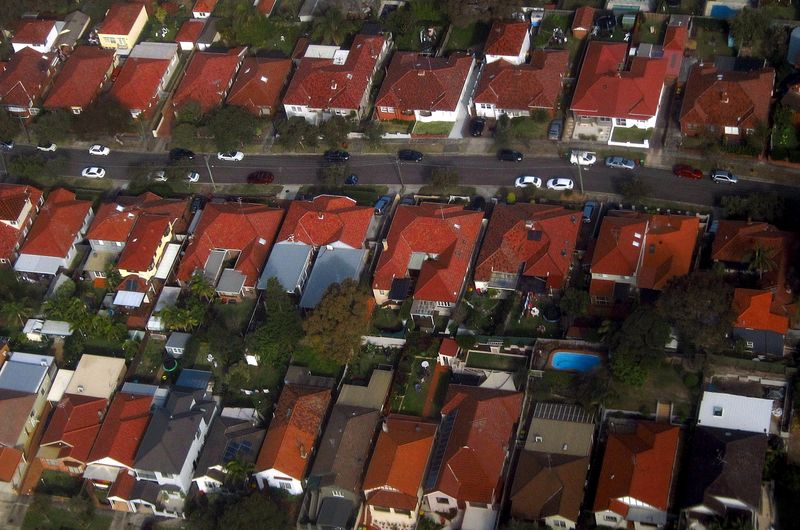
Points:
x=554 y=131
x=509 y=155
x=8 y=145
x=336 y=156
x=351 y=180
x=179 y=154
x=476 y=127
x=409 y=155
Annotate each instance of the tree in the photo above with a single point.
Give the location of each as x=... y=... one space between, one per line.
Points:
x=757 y=206
x=201 y=288
x=237 y=472
x=296 y=133
x=16 y=309
x=335 y=131
x=160 y=14
x=53 y=126
x=275 y=340
x=574 y=302
x=253 y=511
x=443 y=177
x=233 y=127
x=9 y=127
x=591 y=388
x=373 y=133
x=750 y=28
x=28 y=166
x=330 y=27
x=333 y=175
x=634 y=190
x=503 y=133
x=762 y=260
x=190 y=112
x=103 y=117
x=184 y=135
x=335 y=327
x=637 y=344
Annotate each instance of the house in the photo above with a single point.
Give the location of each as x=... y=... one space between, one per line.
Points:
x=534 y=243
x=292 y=436
x=144 y=77
x=424 y=88
x=235 y=435
x=24 y=81
x=676 y=37
x=734 y=412
x=259 y=84
x=189 y=33
x=464 y=486
x=729 y=104
x=230 y=245
x=208 y=78
x=60 y=226
x=427 y=254
x=39 y=35
x=640 y=251
x=122 y=26
x=550 y=477
x=330 y=81
x=333 y=493
x=637 y=476
x=759 y=323
x=75 y=25
x=176 y=343
x=582 y=22
x=203 y=8
x=19 y=205
x=508 y=41
x=81 y=79
x=96 y=376
x=520 y=90
x=724 y=477
x=393 y=482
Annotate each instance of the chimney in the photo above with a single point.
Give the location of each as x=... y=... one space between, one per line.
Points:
x=333 y=85
x=529 y=224
x=320 y=215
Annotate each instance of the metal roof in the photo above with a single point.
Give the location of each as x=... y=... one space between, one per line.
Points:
x=287 y=263
x=231 y=282
x=168 y=260
x=332 y=266
x=129 y=298
x=24 y=372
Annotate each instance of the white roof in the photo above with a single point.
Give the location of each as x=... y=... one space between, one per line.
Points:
x=168 y=296
x=168 y=260
x=55 y=328
x=729 y=411
x=96 y=376
x=38 y=264
x=59 y=386
x=129 y=298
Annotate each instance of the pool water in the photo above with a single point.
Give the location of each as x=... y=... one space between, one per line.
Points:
x=575 y=362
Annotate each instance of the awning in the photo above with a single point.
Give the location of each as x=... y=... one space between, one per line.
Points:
x=102 y=473
x=128 y=298
x=168 y=260
x=38 y=264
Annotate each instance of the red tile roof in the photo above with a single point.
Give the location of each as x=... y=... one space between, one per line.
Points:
x=204 y=6
x=265 y=7
x=449 y=347
x=81 y=78
x=326 y=220
x=754 y=310
x=670 y=244
x=604 y=90
x=122 y=488
x=506 y=38
x=638 y=465
x=675 y=38
x=24 y=79
x=738 y=99
x=144 y=240
x=293 y=430
x=190 y=30
x=247 y=228
x=259 y=83
x=448 y=231
x=9 y=462
x=33 y=31
x=619 y=244
x=398 y=463
x=508 y=243
x=473 y=461
x=207 y=78
x=321 y=84
x=120 y=18
x=137 y=84
x=13 y=198
x=123 y=429
x=75 y=424
x=115 y=220
x=415 y=82
x=583 y=19
x=59 y=222
x=534 y=85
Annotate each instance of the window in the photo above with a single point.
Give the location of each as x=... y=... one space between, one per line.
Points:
x=407 y=513
x=118 y=243
x=479 y=504
x=622 y=122
x=731 y=130
x=145 y=475
x=442 y=500
x=559 y=524
x=211 y=485
x=611 y=518
x=749 y=344
x=337 y=493
x=284 y=485
x=101 y=242
x=100 y=274
x=381 y=509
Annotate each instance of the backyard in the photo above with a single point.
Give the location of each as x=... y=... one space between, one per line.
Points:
x=482 y=313
x=494 y=361
x=58 y=484
x=414 y=385
x=665 y=383
x=532 y=323
x=468 y=37
x=149 y=366
x=710 y=39
x=369 y=358
x=652 y=29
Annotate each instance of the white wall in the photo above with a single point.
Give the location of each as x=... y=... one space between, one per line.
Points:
x=312 y=116
x=269 y=478
x=617 y=522
x=48 y=45
x=513 y=59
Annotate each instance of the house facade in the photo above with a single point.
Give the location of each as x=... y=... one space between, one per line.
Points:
x=38 y=35
x=81 y=79
x=19 y=206
x=508 y=41
x=144 y=77
x=25 y=80
x=122 y=26
x=760 y=322
x=203 y=8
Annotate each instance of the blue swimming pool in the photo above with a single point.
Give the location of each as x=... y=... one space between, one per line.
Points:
x=574 y=362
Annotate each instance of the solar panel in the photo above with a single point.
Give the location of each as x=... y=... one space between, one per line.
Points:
x=236 y=448
x=438 y=451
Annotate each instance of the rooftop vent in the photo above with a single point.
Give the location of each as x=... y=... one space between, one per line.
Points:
x=262 y=241
x=263 y=79
x=80 y=389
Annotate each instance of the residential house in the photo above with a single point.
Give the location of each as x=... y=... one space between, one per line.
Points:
x=143 y=78
x=676 y=37
x=19 y=205
x=75 y=25
x=550 y=477
x=330 y=81
x=393 y=483
x=81 y=79
x=533 y=243
x=722 y=410
x=728 y=104
x=38 y=330
x=293 y=432
x=24 y=81
x=51 y=241
x=208 y=78
x=760 y=323
x=464 y=485
x=176 y=344
x=640 y=251
x=724 y=477
x=203 y=8
x=265 y=7
x=197 y=33
x=333 y=493
x=96 y=376
x=235 y=435
x=424 y=88
x=39 y=35
x=427 y=254
x=122 y=26
x=230 y=245
x=521 y=90
x=582 y=22
x=637 y=476
x=259 y=84
x=508 y=41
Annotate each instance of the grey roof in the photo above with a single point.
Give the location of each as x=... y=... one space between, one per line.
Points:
x=372 y=396
x=193 y=379
x=231 y=282
x=24 y=372
x=178 y=339
x=75 y=24
x=213 y=265
x=300 y=375
x=560 y=429
x=333 y=265
x=209 y=33
x=154 y=50
x=229 y=439
x=287 y=262
x=335 y=512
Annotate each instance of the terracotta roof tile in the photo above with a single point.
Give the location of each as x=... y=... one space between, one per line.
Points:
x=534 y=85
x=33 y=31
x=448 y=347
x=583 y=19
x=120 y=18
x=326 y=220
x=265 y=7
x=207 y=78
x=754 y=310
x=13 y=198
x=25 y=77
x=59 y=222
x=259 y=83
x=670 y=244
x=115 y=220
x=75 y=424
x=204 y=6
x=81 y=78
x=137 y=84
x=10 y=459
x=122 y=429
x=616 y=252
x=506 y=38
x=144 y=240
x=190 y=30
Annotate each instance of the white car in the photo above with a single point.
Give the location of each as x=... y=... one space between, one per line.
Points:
x=99 y=150
x=193 y=176
x=49 y=146
x=231 y=156
x=528 y=180
x=560 y=184
x=158 y=176
x=582 y=158
x=93 y=172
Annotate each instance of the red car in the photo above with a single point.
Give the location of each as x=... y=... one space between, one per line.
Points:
x=687 y=172
x=260 y=177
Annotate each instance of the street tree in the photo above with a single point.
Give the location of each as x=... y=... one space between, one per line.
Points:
x=253 y=511
x=373 y=133
x=184 y=135
x=53 y=126
x=233 y=127
x=276 y=339
x=334 y=329
x=296 y=133
x=767 y=207
x=9 y=126
x=103 y=117
x=335 y=131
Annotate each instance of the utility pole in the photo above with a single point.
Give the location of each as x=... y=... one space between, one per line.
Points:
x=210 y=174
x=580 y=175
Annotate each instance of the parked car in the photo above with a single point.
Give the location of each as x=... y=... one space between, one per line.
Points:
x=334 y=155
x=588 y=211
x=688 y=172
x=554 y=131
x=99 y=150
x=93 y=172
x=7 y=145
x=476 y=127
x=409 y=155
x=198 y=201
x=582 y=158
x=179 y=154
x=477 y=204
x=528 y=180
x=721 y=175
x=560 y=184
x=193 y=176
x=46 y=146
x=351 y=180
x=260 y=177
x=408 y=200
x=509 y=155
x=383 y=204
x=159 y=176
x=619 y=162
x=231 y=156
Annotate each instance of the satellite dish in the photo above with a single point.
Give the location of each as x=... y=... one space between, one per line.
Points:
x=424 y=364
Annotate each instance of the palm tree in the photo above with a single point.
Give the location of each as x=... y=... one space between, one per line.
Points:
x=200 y=287
x=16 y=308
x=762 y=260
x=331 y=27
x=237 y=472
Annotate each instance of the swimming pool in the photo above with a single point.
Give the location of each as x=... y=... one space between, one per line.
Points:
x=573 y=361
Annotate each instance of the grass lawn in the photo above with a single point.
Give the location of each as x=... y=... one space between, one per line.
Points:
x=251 y=190
x=493 y=361
x=58 y=484
x=664 y=383
x=529 y=129
x=633 y=135
x=363 y=195
x=530 y=326
x=413 y=400
x=151 y=359
x=545 y=33
x=461 y=191
x=234 y=316
x=711 y=42
x=386 y=320
x=398 y=126
x=318 y=364
x=467 y=37
x=49 y=516
x=485 y=314
x=369 y=358
x=438 y=128
x=284 y=35
x=652 y=32
x=410 y=41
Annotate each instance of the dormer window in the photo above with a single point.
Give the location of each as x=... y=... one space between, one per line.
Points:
x=717 y=411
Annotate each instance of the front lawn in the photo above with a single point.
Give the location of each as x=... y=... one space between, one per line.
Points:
x=468 y=37
x=398 y=126
x=633 y=135
x=434 y=128
x=46 y=515
x=527 y=128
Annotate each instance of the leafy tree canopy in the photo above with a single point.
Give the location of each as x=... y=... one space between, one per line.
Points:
x=334 y=329
x=232 y=127
x=54 y=126
x=9 y=126
x=275 y=340
x=757 y=206
x=103 y=117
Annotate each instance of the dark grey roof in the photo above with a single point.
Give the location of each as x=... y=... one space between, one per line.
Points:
x=209 y=33
x=231 y=282
x=75 y=25
x=229 y=439
x=286 y=263
x=332 y=266
x=178 y=339
x=335 y=512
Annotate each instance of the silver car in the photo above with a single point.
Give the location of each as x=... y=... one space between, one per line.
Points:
x=619 y=162
x=721 y=175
